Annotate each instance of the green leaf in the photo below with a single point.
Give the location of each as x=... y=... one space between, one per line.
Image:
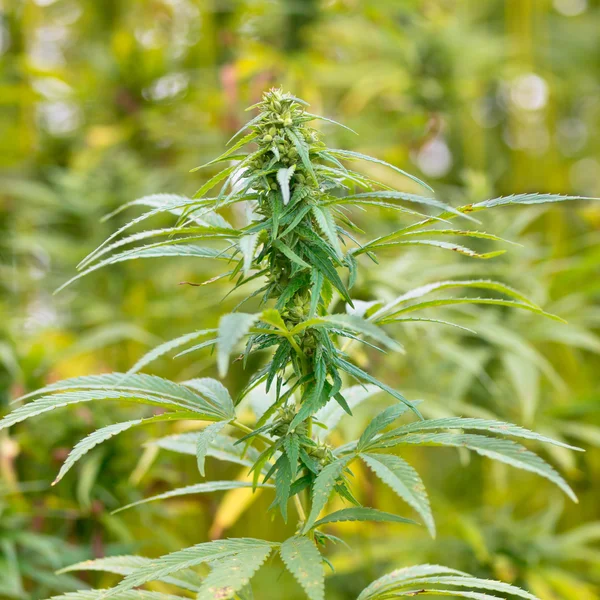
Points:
x=287 y=251
x=105 y=433
x=420 y=578
x=127 y=564
x=436 y=244
x=490 y=426
x=232 y=328
x=152 y=251
x=323 y=263
x=328 y=228
x=364 y=376
x=322 y=488
x=48 y=403
x=215 y=392
x=332 y=412
x=380 y=422
x=357 y=155
x=405 y=481
x=205 y=438
x=352 y=323
x=320 y=118
x=128 y=595
x=303 y=152
x=272 y=317
x=303 y=560
x=283 y=179
x=231 y=574
x=526 y=199
x=207 y=552
x=457 y=301
x=505 y=451
x=245 y=140
x=360 y=513
x=247 y=245
x=483 y=284
x=166 y=347
x=196 y=488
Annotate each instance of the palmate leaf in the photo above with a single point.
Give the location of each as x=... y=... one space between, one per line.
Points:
x=360 y=513
x=127 y=564
x=405 y=481
x=232 y=328
x=435 y=580
x=283 y=179
x=232 y=574
x=501 y=450
x=303 y=560
x=207 y=552
x=247 y=245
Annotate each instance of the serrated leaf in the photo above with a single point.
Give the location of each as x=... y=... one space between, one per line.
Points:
x=128 y=595
x=205 y=438
x=421 y=578
x=245 y=140
x=166 y=347
x=488 y=425
x=364 y=376
x=361 y=513
x=327 y=225
x=48 y=403
x=232 y=574
x=303 y=152
x=207 y=552
x=421 y=291
x=457 y=301
x=322 y=488
x=332 y=412
x=232 y=328
x=215 y=392
x=352 y=323
x=126 y=564
x=357 y=155
x=152 y=251
x=303 y=560
x=501 y=450
x=283 y=179
x=405 y=481
x=247 y=245
x=380 y=422
x=105 y=433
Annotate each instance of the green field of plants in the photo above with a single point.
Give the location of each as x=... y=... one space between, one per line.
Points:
x=227 y=381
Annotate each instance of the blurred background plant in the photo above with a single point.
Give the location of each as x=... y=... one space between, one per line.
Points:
x=104 y=102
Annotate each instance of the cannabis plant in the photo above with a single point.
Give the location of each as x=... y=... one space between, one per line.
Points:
x=299 y=255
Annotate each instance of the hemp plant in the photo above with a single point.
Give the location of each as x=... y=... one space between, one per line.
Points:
x=300 y=254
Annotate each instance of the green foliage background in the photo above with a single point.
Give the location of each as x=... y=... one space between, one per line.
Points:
x=103 y=102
